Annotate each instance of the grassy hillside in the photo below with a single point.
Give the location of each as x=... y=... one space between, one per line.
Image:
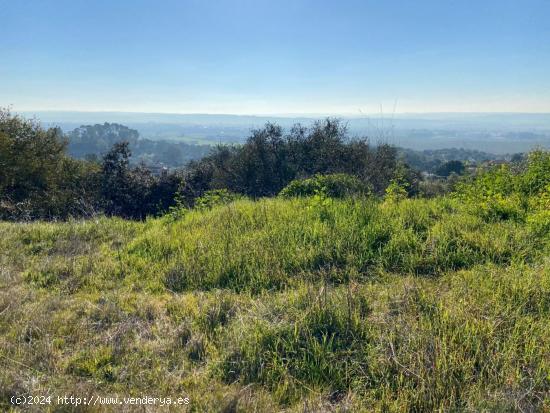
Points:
x=307 y=304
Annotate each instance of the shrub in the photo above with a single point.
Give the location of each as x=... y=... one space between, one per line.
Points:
x=134 y=192
x=539 y=222
x=333 y=185
x=396 y=191
x=506 y=193
x=433 y=188
x=39 y=180
x=216 y=197
x=270 y=159
x=536 y=178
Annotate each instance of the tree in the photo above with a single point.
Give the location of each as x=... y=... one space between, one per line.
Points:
x=134 y=192
x=450 y=167
x=98 y=139
x=116 y=182
x=37 y=179
x=262 y=166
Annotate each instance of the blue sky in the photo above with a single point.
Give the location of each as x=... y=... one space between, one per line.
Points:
x=275 y=57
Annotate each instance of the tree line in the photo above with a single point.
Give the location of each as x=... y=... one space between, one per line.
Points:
x=40 y=180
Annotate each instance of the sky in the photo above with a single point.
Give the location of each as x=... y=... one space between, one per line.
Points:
x=275 y=57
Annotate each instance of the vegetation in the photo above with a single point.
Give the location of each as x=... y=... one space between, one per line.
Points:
x=430 y=160
x=270 y=160
x=450 y=167
x=37 y=179
x=334 y=186
x=302 y=303
x=93 y=141
x=40 y=181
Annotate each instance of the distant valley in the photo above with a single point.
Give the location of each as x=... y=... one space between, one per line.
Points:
x=490 y=132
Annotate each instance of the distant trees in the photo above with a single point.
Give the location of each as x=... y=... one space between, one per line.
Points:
x=449 y=168
x=430 y=160
x=97 y=140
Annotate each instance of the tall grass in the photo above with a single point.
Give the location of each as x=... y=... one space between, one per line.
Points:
x=271 y=244
x=308 y=304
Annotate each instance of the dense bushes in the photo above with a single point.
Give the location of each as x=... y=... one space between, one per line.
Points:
x=216 y=197
x=450 y=167
x=334 y=186
x=271 y=159
x=37 y=180
x=509 y=191
x=134 y=192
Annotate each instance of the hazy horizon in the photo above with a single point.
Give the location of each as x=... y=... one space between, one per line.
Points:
x=498 y=133
x=286 y=114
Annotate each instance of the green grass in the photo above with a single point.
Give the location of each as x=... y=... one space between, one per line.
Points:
x=300 y=305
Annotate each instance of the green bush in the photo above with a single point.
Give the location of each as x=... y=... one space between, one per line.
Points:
x=504 y=193
x=333 y=186
x=536 y=178
x=216 y=197
x=396 y=191
x=539 y=222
